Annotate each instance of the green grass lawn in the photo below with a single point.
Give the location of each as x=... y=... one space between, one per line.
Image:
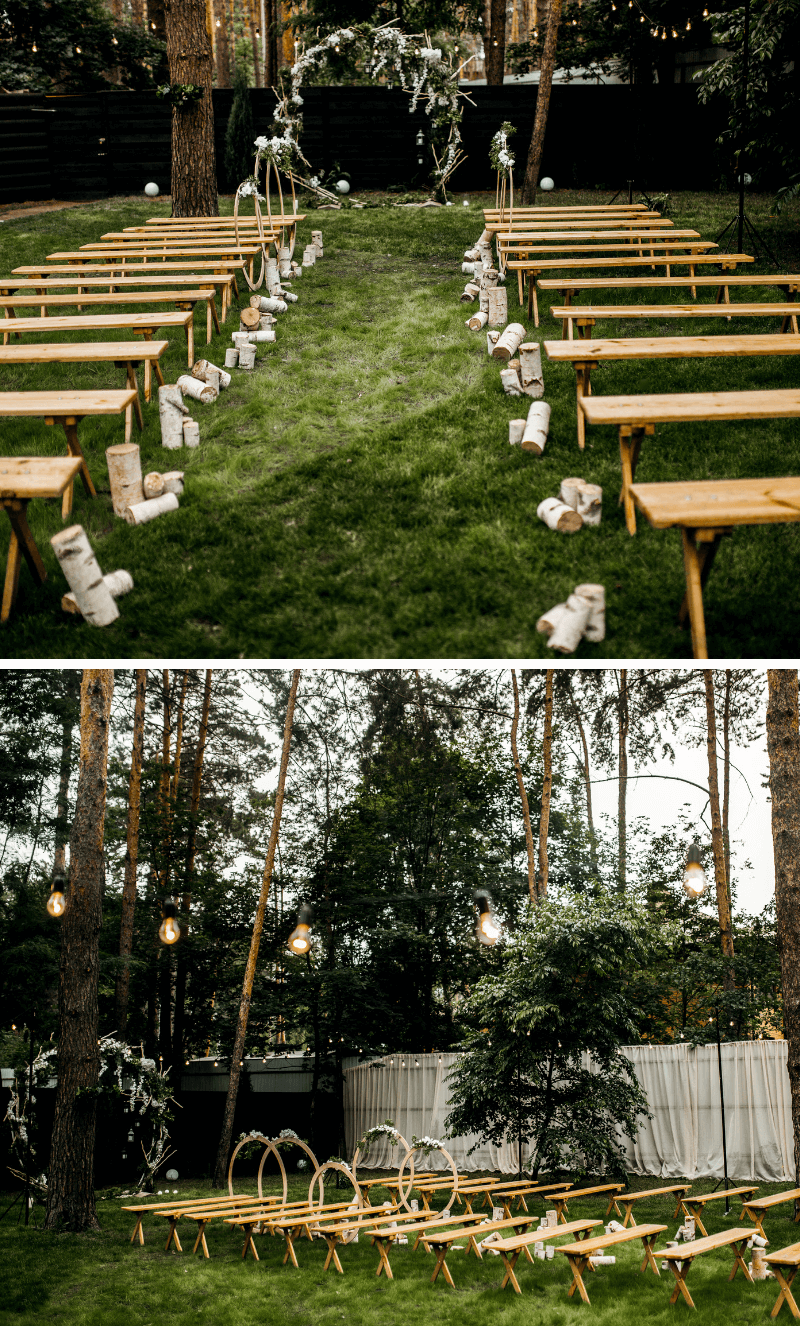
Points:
x=75 y=1280
x=356 y=496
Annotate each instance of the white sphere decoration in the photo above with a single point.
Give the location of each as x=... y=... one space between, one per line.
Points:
x=342 y=187
x=152 y=190
x=546 y=184
x=172 y=1174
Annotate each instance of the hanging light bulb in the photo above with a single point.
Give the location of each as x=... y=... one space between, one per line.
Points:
x=219 y=25
x=614 y=9
x=535 y=34
x=421 y=134
x=688 y=25
x=642 y=18
x=664 y=35
x=674 y=33
x=488 y=930
x=705 y=13
x=169 y=932
x=299 y=941
x=56 y=903
x=35 y=47
x=114 y=41
x=694 y=880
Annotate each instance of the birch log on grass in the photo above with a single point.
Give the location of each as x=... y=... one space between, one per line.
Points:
x=536 y=428
x=247 y=356
x=516 y=427
x=471 y=268
x=510 y=380
x=498 y=307
x=510 y=341
x=262 y=305
x=231 y=358
x=191 y=433
x=171 y=413
x=595 y=596
x=477 y=320
x=469 y=293
x=284 y=262
x=272 y=274
x=316 y=240
x=309 y=255
x=83 y=575
x=265 y=335
x=558 y=516
x=571 y=626
x=173 y=482
x=250 y=317
x=153 y=485
x=117 y=584
x=585 y=498
x=199 y=391
x=530 y=357
x=204 y=366
x=124 y=476
x=472 y=255
x=548 y=621
x=492 y=337
x=146 y=511
x=288 y=296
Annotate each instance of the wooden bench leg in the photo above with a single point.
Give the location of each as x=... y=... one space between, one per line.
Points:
x=441 y=1265
x=739 y=1262
x=21 y=545
x=680 y=1271
x=583 y=388
x=289 y=1254
x=648 y=1242
x=133 y=383
x=137 y=1229
x=785 y=1296
x=688 y=1210
x=579 y=1265
x=383 y=1264
x=510 y=1263
x=694 y=599
x=172 y=1236
x=71 y=429
x=630 y=445
x=332 y=1256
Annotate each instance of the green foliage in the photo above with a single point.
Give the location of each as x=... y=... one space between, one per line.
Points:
x=60 y=46
x=240 y=132
x=180 y=95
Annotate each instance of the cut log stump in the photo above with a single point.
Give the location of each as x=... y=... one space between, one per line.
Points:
x=558 y=516
x=124 y=476
x=146 y=511
x=84 y=577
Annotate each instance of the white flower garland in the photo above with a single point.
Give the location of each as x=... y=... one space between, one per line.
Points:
x=426 y=1144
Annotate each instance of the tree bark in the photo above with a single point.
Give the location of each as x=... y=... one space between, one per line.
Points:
x=723 y=904
x=189 y=53
x=623 y=724
x=131 y=856
x=726 y=779
x=547 y=784
x=496 y=47
x=62 y=803
x=546 y=71
x=587 y=778
x=250 y=970
x=70 y=1194
x=783 y=744
x=220 y=15
x=526 y=814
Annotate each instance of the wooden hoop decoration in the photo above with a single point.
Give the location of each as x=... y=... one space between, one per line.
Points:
x=340 y=1169
x=268 y=1146
x=399 y=1137
x=275 y=1147
x=404 y=1196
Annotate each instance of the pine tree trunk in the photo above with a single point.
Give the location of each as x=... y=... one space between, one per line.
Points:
x=194 y=171
x=70 y=1193
x=726 y=780
x=723 y=904
x=220 y=14
x=547 y=784
x=131 y=856
x=220 y=1171
x=526 y=814
x=496 y=44
x=62 y=803
x=623 y=723
x=587 y=778
x=546 y=71
x=783 y=744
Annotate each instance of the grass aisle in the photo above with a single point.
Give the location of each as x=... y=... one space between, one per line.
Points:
x=356 y=496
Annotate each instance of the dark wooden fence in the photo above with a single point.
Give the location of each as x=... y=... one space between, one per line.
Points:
x=112 y=143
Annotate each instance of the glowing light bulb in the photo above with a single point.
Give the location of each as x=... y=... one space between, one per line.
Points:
x=35 y=47
x=219 y=25
x=664 y=35
x=705 y=13
x=694 y=879
x=300 y=940
x=688 y=25
x=56 y=903
x=169 y=932
x=114 y=41
x=78 y=50
x=488 y=930
x=674 y=33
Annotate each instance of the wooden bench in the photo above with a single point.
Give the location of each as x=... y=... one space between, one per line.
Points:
x=584 y=356
x=636 y=417
x=628 y=1200
x=143 y=324
x=185 y=299
x=579 y=1254
x=521 y=252
x=531 y=267
x=23 y=478
x=560 y=1200
x=179 y=1208
x=215 y=280
x=584 y=317
x=567 y=287
x=68 y=408
x=108 y=274
x=290 y=1224
x=124 y=256
x=784 y=1264
x=383 y=1230
x=627 y=223
x=249 y=1212
x=680 y=1259
x=703 y=498
x=757 y=1209
x=705 y=511
x=443 y=1242
x=123 y=354
x=510 y=1249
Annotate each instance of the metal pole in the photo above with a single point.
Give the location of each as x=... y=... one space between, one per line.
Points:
x=722 y=1112
x=743 y=124
x=519 y=1121
x=30 y=1120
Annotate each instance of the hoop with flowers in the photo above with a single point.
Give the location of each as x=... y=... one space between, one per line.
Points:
x=381 y=1132
x=502 y=159
x=248 y=1145
x=424 y=1145
x=278 y=154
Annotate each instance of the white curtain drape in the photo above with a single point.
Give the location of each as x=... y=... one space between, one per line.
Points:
x=682 y=1140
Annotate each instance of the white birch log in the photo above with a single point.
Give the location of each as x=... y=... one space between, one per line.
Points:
x=288 y=296
x=530 y=355
x=469 y=293
x=145 y=511
x=117 y=583
x=590 y=503
x=485 y=239
x=83 y=575
x=510 y=341
x=191 y=433
x=568 y=492
x=231 y=358
x=492 y=337
x=511 y=383
x=498 y=306
x=173 y=482
x=483 y=300
x=558 y=516
x=267 y=322
x=124 y=476
x=309 y=255
x=272 y=273
x=516 y=427
x=296 y=269
x=262 y=305
x=258 y=338
x=199 y=391
x=248 y=319
x=247 y=356
x=153 y=485
x=284 y=262
x=204 y=366
x=240 y=338
x=548 y=621
x=471 y=268
x=472 y=255
x=316 y=238
x=536 y=428
x=489 y=274
x=595 y=596
x=171 y=412
x=571 y=626
x=212 y=379
x=477 y=320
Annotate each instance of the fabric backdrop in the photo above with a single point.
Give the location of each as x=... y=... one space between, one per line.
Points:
x=682 y=1140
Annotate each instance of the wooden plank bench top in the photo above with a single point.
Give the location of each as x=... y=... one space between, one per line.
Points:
x=629 y=1198
x=125 y=353
x=578 y=223
x=518 y=250
x=560 y=1199
x=680 y=1258
x=739 y=502
x=101 y=267
x=192 y=1204
x=383 y=1232
x=124 y=253
x=278 y=218
x=225 y=281
x=757 y=1208
x=579 y=1254
x=248 y=1213
x=47 y=300
x=784 y=1263
x=443 y=1242
x=586 y=315
x=23 y=478
x=568 y=285
x=526 y=238
x=146 y=324
x=511 y=1248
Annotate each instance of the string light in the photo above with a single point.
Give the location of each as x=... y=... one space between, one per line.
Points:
x=114 y=41
x=78 y=50
x=674 y=33
x=688 y=25
x=664 y=35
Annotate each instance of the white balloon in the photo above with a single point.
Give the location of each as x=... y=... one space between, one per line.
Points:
x=152 y=190
x=546 y=184
x=342 y=187
x=172 y=1174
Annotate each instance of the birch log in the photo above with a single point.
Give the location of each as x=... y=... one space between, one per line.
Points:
x=530 y=355
x=498 y=306
x=259 y=337
x=247 y=356
x=284 y=262
x=250 y=317
x=171 y=412
x=511 y=383
x=240 y=338
x=595 y=596
x=309 y=255
x=510 y=341
x=153 y=485
x=316 y=240
x=267 y=322
x=262 y=305
x=191 y=433
x=117 y=583
x=548 y=621
x=173 y=482
x=471 y=268
x=83 y=575
x=492 y=337
x=536 y=428
x=272 y=274
x=231 y=358
x=288 y=296
x=124 y=476
x=199 y=391
x=472 y=255
x=469 y=293
x=296 y=269
x=571 y=626
x=204 y=366
x=558 y=516
x=516 y=427
x=568 y=492
x=145 y=511
x=477 y=320
x=585 y=498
